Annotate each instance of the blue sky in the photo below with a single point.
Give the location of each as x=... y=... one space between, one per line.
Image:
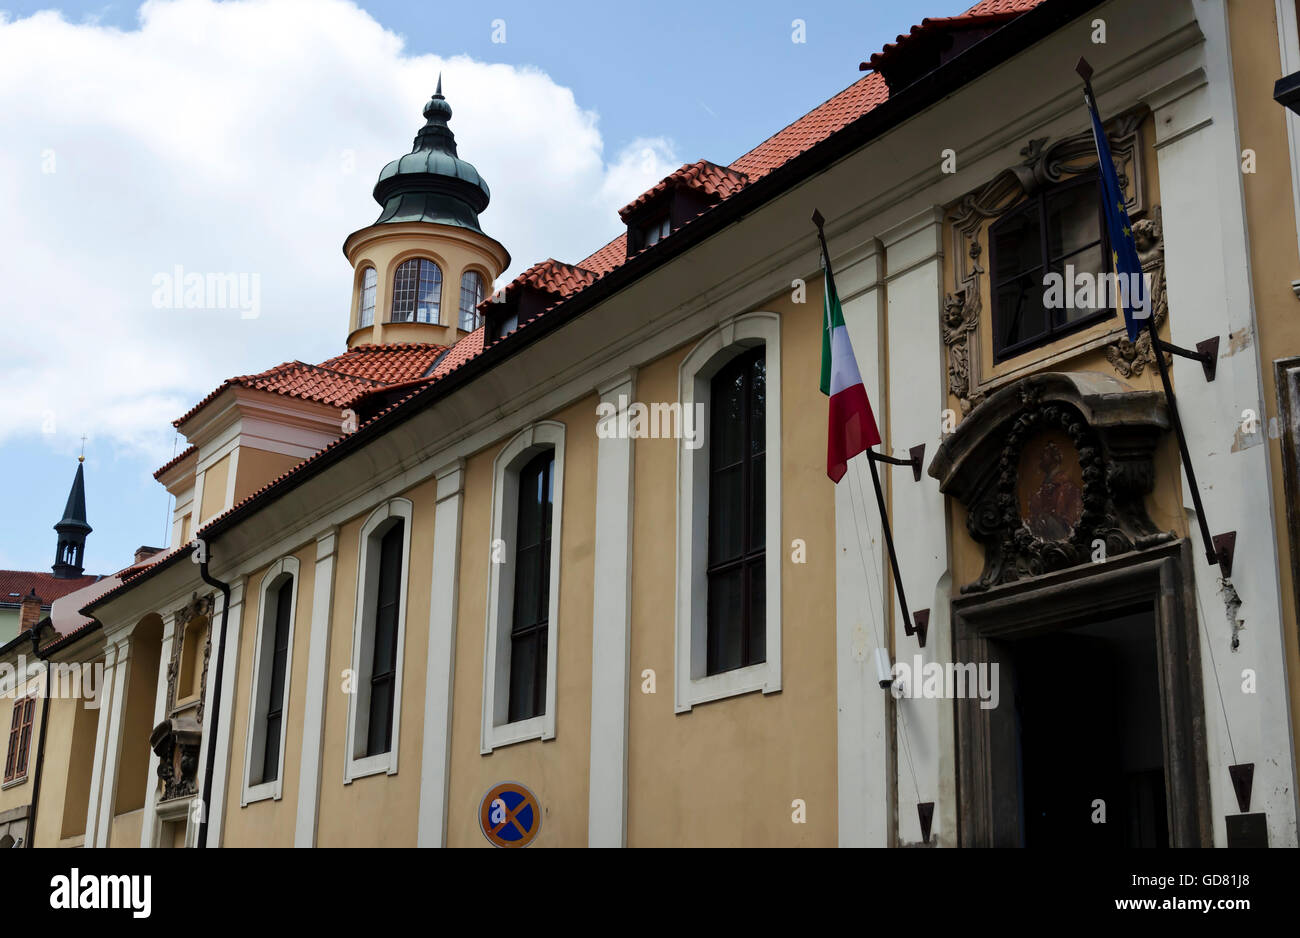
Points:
x=672 y=81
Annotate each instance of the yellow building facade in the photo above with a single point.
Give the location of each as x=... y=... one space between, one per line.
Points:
x=506 y=536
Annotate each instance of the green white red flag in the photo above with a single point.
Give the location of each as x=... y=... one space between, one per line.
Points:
x=852 y=426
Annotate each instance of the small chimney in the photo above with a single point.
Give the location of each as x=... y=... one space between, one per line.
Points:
x=31 y=613
x=144 y=553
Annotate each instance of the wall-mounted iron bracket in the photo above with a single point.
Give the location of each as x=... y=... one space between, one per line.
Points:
x=920 y=625
x=916 y=459
x=1207 y=353
x=1225 y=545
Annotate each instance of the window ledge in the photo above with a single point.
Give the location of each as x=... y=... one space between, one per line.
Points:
x=385 y=762
x=260 y=792
x=757 y=677
x=519 y=732
x=14 y=783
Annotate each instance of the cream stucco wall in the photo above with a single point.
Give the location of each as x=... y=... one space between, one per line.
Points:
x=726 y=772
x=378 y=809
x=554 y=770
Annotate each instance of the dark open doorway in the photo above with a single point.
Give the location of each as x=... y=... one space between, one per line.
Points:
x=1089 y=742
x=1099 y=680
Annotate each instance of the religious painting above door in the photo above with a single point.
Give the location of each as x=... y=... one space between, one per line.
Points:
x=1054 y=470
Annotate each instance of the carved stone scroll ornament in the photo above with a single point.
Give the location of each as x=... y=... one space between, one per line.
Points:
x=1043 y=165
x=1131 y=358
x=1111 y=431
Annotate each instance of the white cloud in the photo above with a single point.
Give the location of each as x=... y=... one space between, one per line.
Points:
x=246 y=137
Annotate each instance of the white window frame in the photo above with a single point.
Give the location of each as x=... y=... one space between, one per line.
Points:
x=526 y=444
x=260 y=689
x=691 y=685
x=363 y=630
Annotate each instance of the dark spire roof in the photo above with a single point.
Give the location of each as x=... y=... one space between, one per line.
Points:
x=432 y=183
x=74 y=513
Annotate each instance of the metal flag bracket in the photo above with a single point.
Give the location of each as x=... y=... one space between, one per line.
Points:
x=920 y=625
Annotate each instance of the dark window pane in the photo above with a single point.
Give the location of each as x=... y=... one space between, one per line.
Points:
x=1091 y=263
x=271 y=757
x=1059 y=232
x=1017 y=244
x=275 y=694
x=524 y=657
x=380 y=736
x=1073 y=219
x=757 y=504
x=737 y=505
x=726 y=514
x=1020 y=310
x=726 y=621
x=532 y=574
x=757 y=613
x=384 y=662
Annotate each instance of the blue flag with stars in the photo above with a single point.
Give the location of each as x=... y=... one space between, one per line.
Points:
x=1123 y=249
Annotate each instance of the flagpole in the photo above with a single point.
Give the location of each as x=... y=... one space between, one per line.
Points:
x=910 y=627
x=1160 y=347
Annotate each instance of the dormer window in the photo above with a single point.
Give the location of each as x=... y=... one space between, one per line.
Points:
x=656 y=231
x=675 y=200
x=369 y=284
x=417 y=291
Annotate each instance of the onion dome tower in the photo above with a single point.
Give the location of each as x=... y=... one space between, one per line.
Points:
x=72 y=529
x=425 y=263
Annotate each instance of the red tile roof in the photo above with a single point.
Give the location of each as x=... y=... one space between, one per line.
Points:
x=48 y=587
x=985 y=13
x=387 y=364
x=175 y=460
x=710 y=180
x=338 y=381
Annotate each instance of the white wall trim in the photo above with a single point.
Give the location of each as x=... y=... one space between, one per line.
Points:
x=691 y=685
x=611 y=628
x=259 y=686
x=500 y=601
x=440 y=667
x=357 y=765
x=313 y=717
x=148 y=826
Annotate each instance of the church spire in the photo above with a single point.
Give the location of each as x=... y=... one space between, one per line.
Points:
x=72 y=529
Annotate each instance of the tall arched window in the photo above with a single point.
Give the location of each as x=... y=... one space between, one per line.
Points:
x=369 y=282
x=531 y=613
x=471 y=294
x=269 y=698
x=417 y=291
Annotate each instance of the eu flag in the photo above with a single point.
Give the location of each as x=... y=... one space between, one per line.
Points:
x=1124 y=255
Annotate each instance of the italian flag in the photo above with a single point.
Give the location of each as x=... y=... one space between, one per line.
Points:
x=852 y=428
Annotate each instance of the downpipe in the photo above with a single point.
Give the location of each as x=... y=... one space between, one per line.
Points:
x=201 y=558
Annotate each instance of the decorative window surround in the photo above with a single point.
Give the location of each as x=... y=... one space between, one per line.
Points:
x=358 y=766
x=526 y=444
x=258 y=699
x=690 y=683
